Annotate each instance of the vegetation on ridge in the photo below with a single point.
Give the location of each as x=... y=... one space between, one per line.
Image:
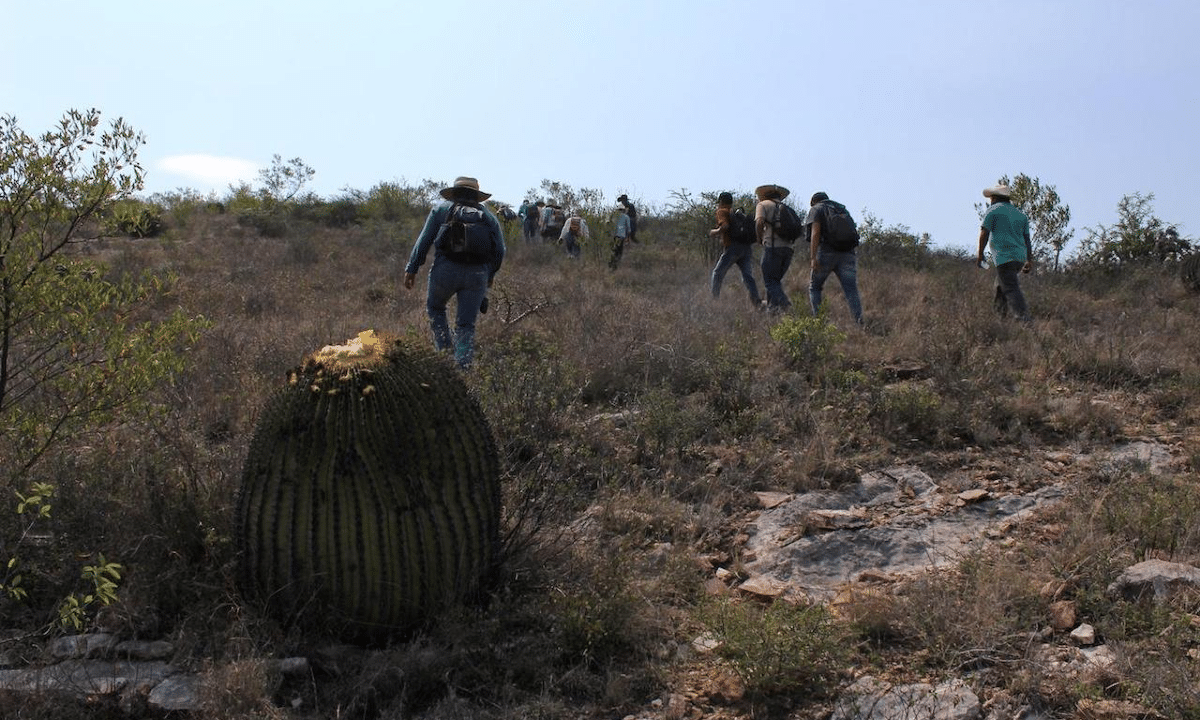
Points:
x=635 y=417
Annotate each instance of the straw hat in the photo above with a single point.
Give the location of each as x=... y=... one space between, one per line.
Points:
x=464 y=186
x=771 y=192
x=997 y=190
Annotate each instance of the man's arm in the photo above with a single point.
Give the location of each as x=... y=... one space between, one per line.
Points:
x=421 y=248
x=814 y=243
x=983 y=241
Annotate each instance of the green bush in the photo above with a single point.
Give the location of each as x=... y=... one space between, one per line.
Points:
x=780 y=648
x=808 y=341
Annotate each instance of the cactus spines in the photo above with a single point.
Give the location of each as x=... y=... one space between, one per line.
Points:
x=370 y=495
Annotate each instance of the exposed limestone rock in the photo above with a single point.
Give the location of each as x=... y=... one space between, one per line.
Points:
x=897 y=521
x=1157 y=577
x=872 y=699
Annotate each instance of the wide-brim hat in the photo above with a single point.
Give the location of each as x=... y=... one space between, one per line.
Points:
x=998 y=191
x=762 y=192
x=463 y=186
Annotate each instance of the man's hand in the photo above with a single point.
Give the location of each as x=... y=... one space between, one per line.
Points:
x=410 y=279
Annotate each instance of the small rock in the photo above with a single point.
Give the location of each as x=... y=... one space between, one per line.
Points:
x=1062 y=615
x=178 y=692
x=1159 y=577
x=81 y=646
x=1084 y=635
x=763 y=586
x=772 y=499
x=974 y=496
x=706 y=643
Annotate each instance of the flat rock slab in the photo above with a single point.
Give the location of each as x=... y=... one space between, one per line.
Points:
x=907 y=524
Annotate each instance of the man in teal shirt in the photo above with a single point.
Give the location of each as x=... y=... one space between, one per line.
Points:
x=1007 y=229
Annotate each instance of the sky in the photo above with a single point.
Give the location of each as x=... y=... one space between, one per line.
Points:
x=904 y=110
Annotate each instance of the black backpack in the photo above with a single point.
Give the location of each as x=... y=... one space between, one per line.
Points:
x=465 y=236
x=838 y=230
x=741 y=228
x=554 y=223
x=788 y=225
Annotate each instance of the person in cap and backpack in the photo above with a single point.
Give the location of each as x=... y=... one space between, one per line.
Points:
x=632 y=212
x=777 y=250
x=832 y=239
x=621 y=233
x=553 y=217
x=468 y=247
x=574 y=232
x=530 y=213
x=737 y=234
x=1006 y=228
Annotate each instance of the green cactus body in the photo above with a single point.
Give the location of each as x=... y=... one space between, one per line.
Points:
x=370 y=496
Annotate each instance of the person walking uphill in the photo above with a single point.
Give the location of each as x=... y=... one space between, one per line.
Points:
x=468 y=250
x=769 y=224
x=620 y=234
x=631 y=211
x=1007 y=229
x=738 y=236
x=832 y=239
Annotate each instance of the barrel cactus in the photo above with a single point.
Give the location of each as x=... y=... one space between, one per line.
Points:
x=370 y=495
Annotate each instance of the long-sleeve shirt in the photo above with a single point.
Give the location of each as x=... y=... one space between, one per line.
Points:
x=623 y=226
x=433 y=224
x=583 y=228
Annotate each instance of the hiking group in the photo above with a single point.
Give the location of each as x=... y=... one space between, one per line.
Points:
x=546 y=221
x=827 y=228
x=469 y=248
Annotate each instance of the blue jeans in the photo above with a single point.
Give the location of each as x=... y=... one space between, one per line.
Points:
x=775 y=263
x=571 y=243
x=742 y=255
x=845 y=266
x=468 y=283
x=1008 y=290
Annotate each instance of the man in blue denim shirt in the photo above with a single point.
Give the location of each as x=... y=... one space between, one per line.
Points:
x=467 y=280
x=826 y=260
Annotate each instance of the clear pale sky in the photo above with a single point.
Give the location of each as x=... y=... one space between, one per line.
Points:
x=906 y=110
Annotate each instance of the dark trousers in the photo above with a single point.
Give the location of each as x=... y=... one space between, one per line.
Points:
x=1009 y=297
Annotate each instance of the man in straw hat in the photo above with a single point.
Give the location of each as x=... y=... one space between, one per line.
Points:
x=777 y=252
x=468 y=250
x=1006 y=228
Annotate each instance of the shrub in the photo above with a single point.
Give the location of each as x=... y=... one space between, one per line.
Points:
x=780 y=648
x=809 y=342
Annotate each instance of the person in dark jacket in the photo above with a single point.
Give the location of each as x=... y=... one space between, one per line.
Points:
x=463 y=270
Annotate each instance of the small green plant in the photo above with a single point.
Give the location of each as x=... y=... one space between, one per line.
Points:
x=37 y=505
x=808 y=340
x=909 y=410
x=779 y=648
x=102 y=579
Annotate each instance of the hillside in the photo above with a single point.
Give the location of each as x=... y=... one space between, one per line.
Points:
x=644 y=427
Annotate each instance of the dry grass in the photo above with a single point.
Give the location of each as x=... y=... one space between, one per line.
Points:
x=635 y=415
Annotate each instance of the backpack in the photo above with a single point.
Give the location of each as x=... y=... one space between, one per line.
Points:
x=576 y=225
x=741 y=228
x=788 y=225
x=838 y=230
x=554 y=224
x=465 y=236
